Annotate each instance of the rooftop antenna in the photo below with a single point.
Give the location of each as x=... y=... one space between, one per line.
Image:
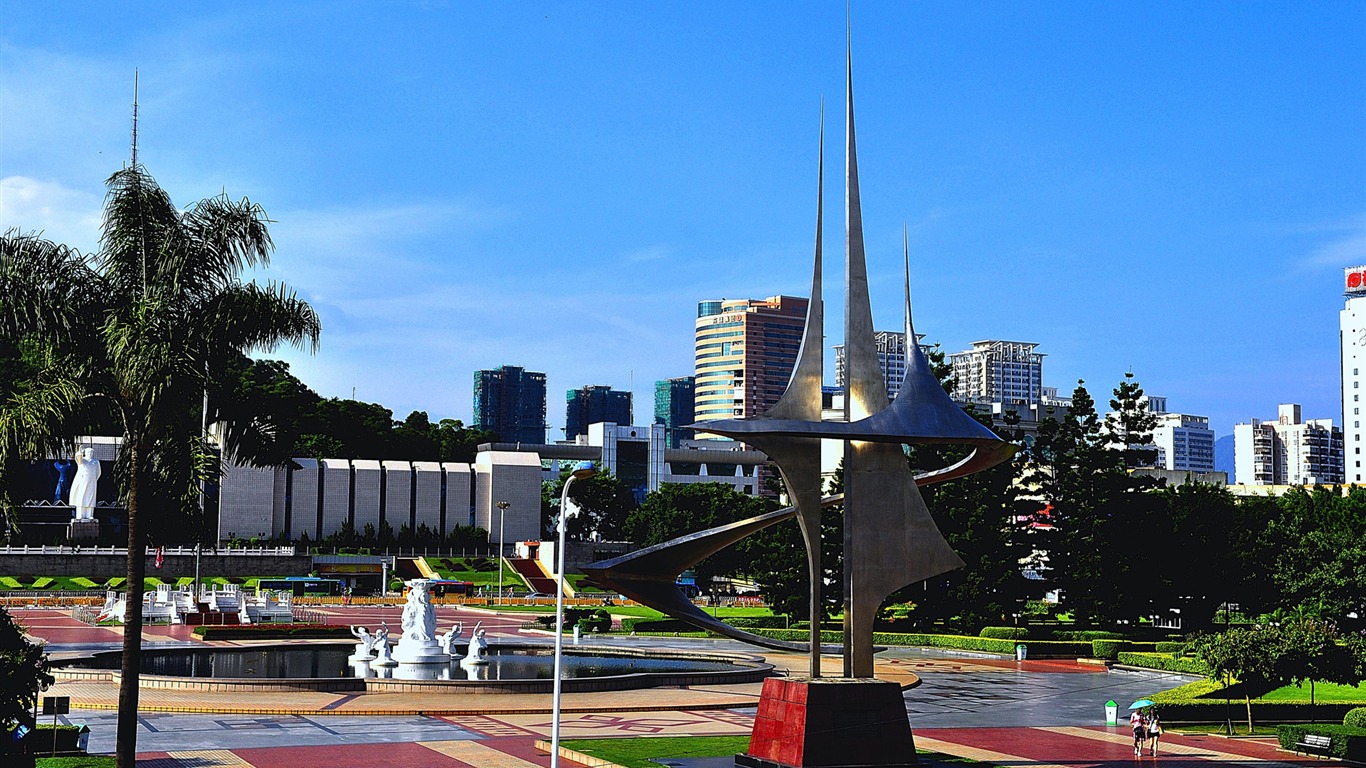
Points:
x=135 y=118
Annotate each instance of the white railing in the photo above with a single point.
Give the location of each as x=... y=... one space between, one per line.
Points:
x=62 y=549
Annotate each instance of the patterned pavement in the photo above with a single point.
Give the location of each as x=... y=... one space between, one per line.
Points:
x=1032 y=714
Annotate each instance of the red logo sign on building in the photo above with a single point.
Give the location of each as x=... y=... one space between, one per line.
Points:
x=1356 y=279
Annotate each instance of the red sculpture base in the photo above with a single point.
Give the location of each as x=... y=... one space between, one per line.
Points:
x=830 y=723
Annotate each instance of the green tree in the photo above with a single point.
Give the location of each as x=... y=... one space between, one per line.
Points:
x=677 y=509
x=604 y=504
x=141 y=327
x=1312 y=652
x=23 y=674
x=1247 y=654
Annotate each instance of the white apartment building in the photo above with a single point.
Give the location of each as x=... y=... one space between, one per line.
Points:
x=1008 y=372
x=1352 y=336
x=1288 y=451
x=1184 y=442
x=891 y=358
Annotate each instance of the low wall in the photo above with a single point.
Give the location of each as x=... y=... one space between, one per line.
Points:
x=103 y=566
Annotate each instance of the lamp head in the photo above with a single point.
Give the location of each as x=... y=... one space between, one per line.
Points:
x=504 y=504
x=583 y=470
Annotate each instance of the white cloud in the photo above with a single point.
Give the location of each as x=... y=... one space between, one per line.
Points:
x=1346 y=249
x=61 y=214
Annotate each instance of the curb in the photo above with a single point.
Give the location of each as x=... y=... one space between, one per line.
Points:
x=576 y=756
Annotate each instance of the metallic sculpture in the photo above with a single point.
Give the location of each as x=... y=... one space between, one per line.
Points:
x=890 y=539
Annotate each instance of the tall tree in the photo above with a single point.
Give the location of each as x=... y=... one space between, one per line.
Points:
x=604 y=504
x=142 y=326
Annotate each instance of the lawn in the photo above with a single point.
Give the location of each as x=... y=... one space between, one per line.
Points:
x=82 y=761
x=1324 y=693
x=481 y=571
x=643 y=752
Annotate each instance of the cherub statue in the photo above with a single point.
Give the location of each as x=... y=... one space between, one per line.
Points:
x=384 y=657
x=479 y=646
x=365 y=649
x=448 y=639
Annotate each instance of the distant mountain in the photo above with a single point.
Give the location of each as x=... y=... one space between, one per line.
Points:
x=1223 y=456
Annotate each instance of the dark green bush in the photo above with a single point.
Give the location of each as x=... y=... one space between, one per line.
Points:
x=1348 y=743
x=656 y=625
x=1085 y=635
x=1162 y=661
x=273 y=631
x=759 y=622
x=1107 y=649
x=1169 y=647
x=1005 y=633
x=1355 y=718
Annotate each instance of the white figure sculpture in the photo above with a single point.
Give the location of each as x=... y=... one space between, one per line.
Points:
x=84 y=486
x=365 y=649
x=419 y=645
x=479 y=647
x=449 y=638
x=384 y=657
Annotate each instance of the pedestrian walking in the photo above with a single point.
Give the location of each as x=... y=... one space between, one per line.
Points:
x=1140 y=726
x=1154 y=730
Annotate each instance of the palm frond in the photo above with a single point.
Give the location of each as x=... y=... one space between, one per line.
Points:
x=249 y=317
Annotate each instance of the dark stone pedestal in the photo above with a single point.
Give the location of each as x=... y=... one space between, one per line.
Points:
x=83 y=530
x=830 y=723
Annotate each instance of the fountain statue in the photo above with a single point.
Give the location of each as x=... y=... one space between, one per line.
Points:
x=365 y=649
x=384 y=655
x=479 y=647
x=449 y=639
x=419 y=645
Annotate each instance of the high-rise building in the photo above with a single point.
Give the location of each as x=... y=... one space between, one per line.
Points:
x=1009 y=372
x=1352 y=336
x=745 y=351
x=510 y=401
x=1288 y=451
x=674 y=408
x=593 y=405
x=891 y=358
x=1184 y=442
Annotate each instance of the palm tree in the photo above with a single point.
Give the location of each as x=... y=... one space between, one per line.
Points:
x=139 y=329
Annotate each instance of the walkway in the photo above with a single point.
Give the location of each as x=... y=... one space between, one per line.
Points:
x=1032 y=714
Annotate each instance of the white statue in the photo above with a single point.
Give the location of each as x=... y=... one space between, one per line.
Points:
x=479 y=647
x=365 y=649
x=419 y=615
x=418 y=644
x=384 y=657
x=84 y=486
x=449 y=638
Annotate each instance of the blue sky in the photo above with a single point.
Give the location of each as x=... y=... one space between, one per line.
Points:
x=1167 y=188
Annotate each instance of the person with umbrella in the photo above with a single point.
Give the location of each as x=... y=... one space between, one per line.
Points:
x=1154 y=728
x=1139 y=723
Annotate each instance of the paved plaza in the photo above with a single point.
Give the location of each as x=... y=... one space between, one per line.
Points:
x=1031 y=714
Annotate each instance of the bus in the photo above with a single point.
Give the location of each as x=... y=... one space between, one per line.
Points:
x=443 y=587
x=302 y=585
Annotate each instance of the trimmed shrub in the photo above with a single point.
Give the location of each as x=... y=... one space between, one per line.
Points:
x=1108 y=649
x=636 y=624
x=1005 y=633
x=1162 y=661
x=1348 y=743
x=598 y=621
x=1169 y=647
x=1355 y=718
x=42 y=582
x=759 y=622
x=1085 y=635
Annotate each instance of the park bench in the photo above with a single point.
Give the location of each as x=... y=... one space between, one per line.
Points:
x=1315 y=744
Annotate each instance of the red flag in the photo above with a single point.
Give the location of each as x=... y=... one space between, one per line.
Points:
x=160 y=559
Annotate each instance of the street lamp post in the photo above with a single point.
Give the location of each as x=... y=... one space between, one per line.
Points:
x=502 y=511
x=582 y=470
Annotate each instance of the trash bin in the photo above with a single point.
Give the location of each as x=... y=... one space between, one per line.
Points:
x=1021 y=651
x=83 y=738
x=1111 y=713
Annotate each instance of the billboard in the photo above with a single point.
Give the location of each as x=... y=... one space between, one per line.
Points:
x=1354 y=280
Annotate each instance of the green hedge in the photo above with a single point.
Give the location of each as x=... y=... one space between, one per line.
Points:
x=636 y=624
x=1355 y=718
x=1108 y=649
x=1005 y=633
x=1162 y=661
x=1214 y=710
x=1085 y=635
x=1037 y=648
x=1348 y=743
x=1169 y=647
x=759 y=622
